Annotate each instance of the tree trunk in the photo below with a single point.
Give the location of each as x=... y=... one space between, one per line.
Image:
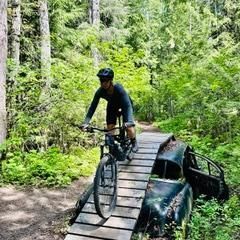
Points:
x=94 y=13
x=94 y=20
x=3 y=60
x=45 y=44
x=15 y=31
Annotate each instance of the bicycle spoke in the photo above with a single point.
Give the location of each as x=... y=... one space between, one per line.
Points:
x=106 y=189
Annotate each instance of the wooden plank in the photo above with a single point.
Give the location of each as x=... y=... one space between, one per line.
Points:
x=126 y=192
x=132 y=184
x=148 y=146
x=134 y=176
x=124 y=201
x=138 y=162
x=148 y=150
x=102 y=232
x=154 y=135
x=135 y=169
x=129 y=202
x=154 y=139
x=118 y=211
x=117 y=222
x=133 y=179
x=77 y=237
x=149 y=142
x=144 y=156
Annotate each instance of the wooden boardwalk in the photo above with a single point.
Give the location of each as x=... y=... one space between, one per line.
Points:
x=133 y=178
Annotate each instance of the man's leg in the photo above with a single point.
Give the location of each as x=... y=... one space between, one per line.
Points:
x=111 y=126
x=111 y=117
x=131 y=132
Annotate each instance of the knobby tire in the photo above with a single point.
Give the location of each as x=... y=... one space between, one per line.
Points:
x=106 y=172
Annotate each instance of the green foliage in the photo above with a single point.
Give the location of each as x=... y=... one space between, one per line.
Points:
x=210 y=220
x=179 y=60
x=49 y=168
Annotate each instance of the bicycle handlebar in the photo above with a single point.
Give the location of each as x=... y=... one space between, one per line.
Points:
x=92 y=129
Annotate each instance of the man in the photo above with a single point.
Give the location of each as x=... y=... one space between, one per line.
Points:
x=117 y=98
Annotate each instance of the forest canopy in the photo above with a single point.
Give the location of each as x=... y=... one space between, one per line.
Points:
x=179 y=61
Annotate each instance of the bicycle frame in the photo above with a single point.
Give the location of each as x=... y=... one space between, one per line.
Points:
x=111 y=141
x=106 y=179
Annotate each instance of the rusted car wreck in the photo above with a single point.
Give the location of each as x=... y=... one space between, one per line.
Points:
x=179 y=176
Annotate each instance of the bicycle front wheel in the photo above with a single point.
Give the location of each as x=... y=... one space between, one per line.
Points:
x=105 y=186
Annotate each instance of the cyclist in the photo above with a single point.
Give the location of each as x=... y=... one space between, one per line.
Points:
x=117 y=98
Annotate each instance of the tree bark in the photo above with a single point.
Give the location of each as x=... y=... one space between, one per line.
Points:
x=94 y=13
x=94 y=20
x=3 y=60
x=45 y=43
x=16 y=31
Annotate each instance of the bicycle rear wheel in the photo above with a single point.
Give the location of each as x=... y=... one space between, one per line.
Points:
x=105 y=186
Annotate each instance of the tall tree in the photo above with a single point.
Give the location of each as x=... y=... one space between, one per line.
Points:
x=94 y=13
x=45 y=43
x=94 y=20
x=3 y=59
x=15 y=31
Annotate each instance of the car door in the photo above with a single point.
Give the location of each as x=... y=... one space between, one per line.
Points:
x=205 y=176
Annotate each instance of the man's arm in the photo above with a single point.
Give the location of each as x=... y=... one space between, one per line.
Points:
x=126 y=105
x=125 y=99
x=92 y=107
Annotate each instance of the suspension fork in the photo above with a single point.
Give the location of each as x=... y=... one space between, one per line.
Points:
x=121 y=129
x=101 y=150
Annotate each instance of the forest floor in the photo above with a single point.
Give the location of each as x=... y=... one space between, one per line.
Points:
x=41 y=213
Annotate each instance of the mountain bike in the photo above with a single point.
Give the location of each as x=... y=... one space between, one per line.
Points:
x=115 y=147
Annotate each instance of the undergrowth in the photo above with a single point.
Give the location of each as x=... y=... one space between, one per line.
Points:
x=50 y=168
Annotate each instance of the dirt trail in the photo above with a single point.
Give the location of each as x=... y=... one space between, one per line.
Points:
x=41 y=214
x=32 y=213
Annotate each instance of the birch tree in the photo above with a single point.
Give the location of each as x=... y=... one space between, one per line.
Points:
x=15 y=31
x=94 y=20
x=94 y=13
x=3 y=59
x=45 y=43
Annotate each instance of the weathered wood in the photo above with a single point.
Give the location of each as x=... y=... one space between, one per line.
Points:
x=135 y=169
x=138 y=162
x=132 y=184
x=148 y=146
x=102 y=232
x=133 y=177
x=131 y=192
x=144 y=156
x=77 y=237
x=94 y=219
x=129 y=202
x=127 y=212
x=124 y=202
x=147 y=150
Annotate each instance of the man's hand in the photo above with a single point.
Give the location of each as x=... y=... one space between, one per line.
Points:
x=83 y=127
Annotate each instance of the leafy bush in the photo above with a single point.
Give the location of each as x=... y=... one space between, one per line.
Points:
x=50 y=168
x=211 y=220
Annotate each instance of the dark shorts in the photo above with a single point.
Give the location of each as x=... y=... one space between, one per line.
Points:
x=113 y=113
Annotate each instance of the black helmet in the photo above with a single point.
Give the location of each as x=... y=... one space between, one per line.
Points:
x=105 y=72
